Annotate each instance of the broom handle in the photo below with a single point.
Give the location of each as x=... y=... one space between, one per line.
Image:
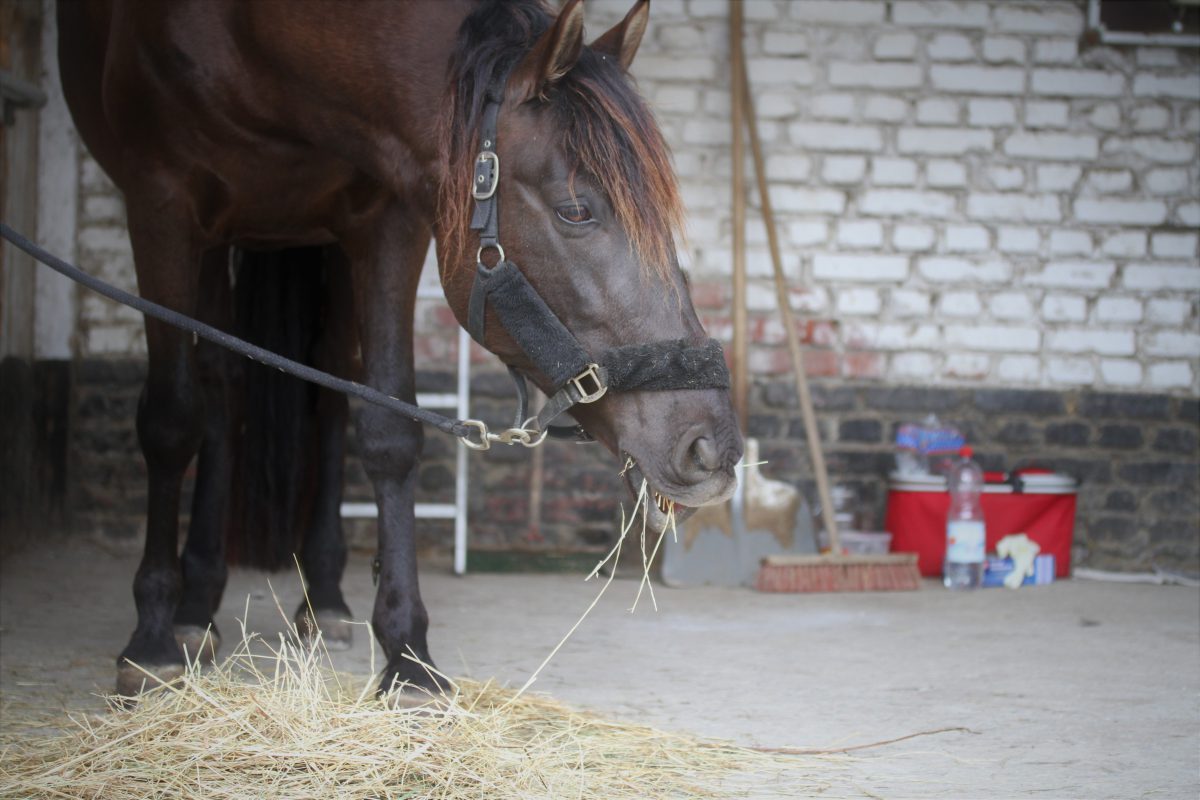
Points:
x=741 y=390
x=785 y=307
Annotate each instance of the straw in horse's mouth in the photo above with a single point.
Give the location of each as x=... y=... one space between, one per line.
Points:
x=661 y=503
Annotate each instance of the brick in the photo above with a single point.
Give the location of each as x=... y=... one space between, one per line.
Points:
x=1017 y=433
x=943 y=141
x=1052 y=146
x=832 y=106
x=1125 y=243
x=1151 y=118
x=860 y=234
x=1184 y=86
x=1168 y=311
x=799 y=199
x=1171 y=375
x=977 y=80
x=1054 y=18
x=913 y=365
x=1189 y=410
x=1019 y=369
x=895 y=46
x=1188 y=214
x=860 y=430
x=844 y=169
x=960 y=304
x=1068 y=434
x=1153 y=148
x=1123 y=406
x=893 y=171
x=788 y=168
x=1106 y=117
x=966 y=238
x=807 y=232
x=824 y=136
x=1077 y=83
x=1010 y=305
x=991 y=113
x=940 y=13
x=787 y=71
x=1085 y=340
x=1164 y=181
x=1121 y=212
x=1122 y=437
x=1046 y=114
x=1070 y=243
x=858 y=301
x=1005 y=178
x=909 y=303
x=1191 y=120
x=1173 y=343
x=1055 y=51
x=674 y=67
x=999 y=49
x=1119 y=531
x=1071 y=371
x=784 y=43
x=1158 y=277
x=1019 y=401
x=1173 y=245
x=1180 y=441
x=886 y=109
x=681 y=99
x=912 y=237
x=907 y=203
x=1064 y=308
x=837 y=12
x=940 y=173
x=860 y=268
x=966 y=366
x=937 y=111
x=1018 y=240
x=1158 y=473
x=1118 y=309
x=1057 y=177
x=870 y=336
x=958 y=270
x=1121 y=371
x=874 y=76
x=1074 y=274
x=950 y=47
x=1157 y=57
x=913 y=398
x=1015 y=207
x=1109 y=181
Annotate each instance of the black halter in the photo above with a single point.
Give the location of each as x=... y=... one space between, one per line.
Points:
x=554 y=350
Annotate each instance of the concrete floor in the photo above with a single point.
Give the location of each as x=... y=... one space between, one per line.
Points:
x=1076 y=690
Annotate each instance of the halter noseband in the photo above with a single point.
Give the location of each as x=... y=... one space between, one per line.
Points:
x=578 y=377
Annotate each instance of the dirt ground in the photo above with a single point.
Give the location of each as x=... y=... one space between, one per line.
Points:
x=1076 y=690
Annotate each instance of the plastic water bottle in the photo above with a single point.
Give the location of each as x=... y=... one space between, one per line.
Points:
x=965 y=533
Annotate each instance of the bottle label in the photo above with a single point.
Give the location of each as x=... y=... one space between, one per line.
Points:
x=964 y=541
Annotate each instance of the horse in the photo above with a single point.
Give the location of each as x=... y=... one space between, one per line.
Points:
x=285 y=165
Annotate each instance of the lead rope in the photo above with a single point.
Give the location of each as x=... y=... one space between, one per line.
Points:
x=474 y=433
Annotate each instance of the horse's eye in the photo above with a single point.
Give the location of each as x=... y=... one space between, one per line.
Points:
x=574 y=214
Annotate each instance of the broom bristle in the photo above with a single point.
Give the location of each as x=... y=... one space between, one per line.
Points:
x=883 y=573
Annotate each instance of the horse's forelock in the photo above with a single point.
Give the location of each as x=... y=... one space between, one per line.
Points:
x=607 y=129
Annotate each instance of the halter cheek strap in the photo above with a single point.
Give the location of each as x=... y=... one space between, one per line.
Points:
x=541 y=335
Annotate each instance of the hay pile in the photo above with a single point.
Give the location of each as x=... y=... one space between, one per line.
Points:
x=279 y=722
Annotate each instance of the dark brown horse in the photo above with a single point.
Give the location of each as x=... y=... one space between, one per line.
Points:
x=316 y=147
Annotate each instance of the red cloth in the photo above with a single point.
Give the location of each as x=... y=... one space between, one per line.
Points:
x=917 y=522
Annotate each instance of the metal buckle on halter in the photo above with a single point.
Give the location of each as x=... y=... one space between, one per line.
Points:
x=487 y=175
x=524 y=435
x=484 y=442
x=598 y=388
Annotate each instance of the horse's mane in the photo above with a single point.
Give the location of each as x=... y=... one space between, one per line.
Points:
x=607 y=128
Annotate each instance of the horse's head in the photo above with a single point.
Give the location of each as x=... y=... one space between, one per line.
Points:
x=588 y=208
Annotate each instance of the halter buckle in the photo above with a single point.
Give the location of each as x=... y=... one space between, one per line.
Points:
x=589 y=384
x=487 y=175
x=484 y=442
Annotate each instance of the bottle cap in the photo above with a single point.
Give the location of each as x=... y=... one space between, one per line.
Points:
x=965 y=451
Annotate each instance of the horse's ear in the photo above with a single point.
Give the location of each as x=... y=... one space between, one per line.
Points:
x=621 y=42
x=552 y=55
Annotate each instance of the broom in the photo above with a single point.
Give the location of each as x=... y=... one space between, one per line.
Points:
x=833 y=572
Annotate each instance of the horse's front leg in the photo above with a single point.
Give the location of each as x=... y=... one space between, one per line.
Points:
x=170 y=427
x=386 y=268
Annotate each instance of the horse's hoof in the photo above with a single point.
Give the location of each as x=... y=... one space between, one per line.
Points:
x=198 y=644
x=132 y=681
x=406 y=697
x=337 y=633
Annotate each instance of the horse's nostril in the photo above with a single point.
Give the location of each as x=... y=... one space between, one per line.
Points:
x=705 y=454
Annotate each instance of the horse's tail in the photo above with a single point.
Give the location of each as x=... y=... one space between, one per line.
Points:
x=278 y=305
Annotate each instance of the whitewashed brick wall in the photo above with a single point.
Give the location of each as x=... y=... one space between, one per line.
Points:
x=965 y=194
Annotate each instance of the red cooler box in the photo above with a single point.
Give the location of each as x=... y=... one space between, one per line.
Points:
x=1039 y=505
